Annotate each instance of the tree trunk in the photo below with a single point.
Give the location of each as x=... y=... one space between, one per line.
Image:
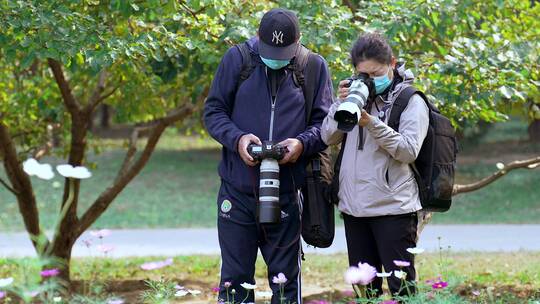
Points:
x=534 y=131
x=105 y=116
x=62 y=252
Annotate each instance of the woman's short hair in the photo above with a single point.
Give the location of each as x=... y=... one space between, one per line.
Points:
x=371 y=46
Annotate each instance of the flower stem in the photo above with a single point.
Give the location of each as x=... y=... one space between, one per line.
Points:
x=247 y=296
x=281 y=293
x=360 y=291
x=63 y=213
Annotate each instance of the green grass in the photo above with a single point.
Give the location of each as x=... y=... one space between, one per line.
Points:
x=515 y=198
x=178 y=187
x=514 y=276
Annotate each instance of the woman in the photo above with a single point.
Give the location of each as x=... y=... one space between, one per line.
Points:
x=378 y=195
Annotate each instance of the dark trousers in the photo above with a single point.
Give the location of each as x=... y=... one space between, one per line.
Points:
x=240 y=236
x=379 y=241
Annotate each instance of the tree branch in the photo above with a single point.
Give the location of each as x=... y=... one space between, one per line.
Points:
x=528 y=163
x=129 y=154
x=130 y=170
x=95 y=98
x=8 y=187
x=425 y=217
x=22 y=185
x=65 y=89
x=354 y=9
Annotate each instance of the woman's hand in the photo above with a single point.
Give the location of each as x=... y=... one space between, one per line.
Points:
x=365 y=119
x=343 y=88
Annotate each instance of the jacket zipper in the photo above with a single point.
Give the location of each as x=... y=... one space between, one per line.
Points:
x=271 y=132
x=273 y=108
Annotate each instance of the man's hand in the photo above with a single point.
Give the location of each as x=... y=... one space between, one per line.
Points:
x=243 y=143
x=293 y=150
x=365 y=119
x=343 y=89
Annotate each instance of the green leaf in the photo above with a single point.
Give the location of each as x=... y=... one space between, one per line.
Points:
x=505 y=92
x=27 y=61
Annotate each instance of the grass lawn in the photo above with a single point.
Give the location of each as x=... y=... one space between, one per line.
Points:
x=178 y=186
x=510 y=277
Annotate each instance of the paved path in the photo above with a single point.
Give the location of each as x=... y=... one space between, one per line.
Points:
x=173 y=242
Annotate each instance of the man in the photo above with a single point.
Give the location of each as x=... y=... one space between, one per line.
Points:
x=267 y=105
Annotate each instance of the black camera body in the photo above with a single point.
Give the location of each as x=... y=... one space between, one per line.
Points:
x=368 y=81
x=267 y=150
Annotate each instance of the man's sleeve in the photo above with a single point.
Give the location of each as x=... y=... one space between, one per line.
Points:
x=220 y=101
x=311 y=137
x=404 y=145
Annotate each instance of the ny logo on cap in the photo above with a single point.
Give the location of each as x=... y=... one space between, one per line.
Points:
x=278 y=37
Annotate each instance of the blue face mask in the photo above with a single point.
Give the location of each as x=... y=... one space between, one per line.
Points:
x=275 y=64
x=381 y=83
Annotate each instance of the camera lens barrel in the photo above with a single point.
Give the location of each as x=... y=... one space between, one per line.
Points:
x=356 y=96
x=269 y=211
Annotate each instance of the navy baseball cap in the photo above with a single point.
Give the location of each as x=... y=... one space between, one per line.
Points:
x=278 y=33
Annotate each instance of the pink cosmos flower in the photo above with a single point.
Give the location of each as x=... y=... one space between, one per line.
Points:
x=87 y=243
x=33 y=294
x=47 y=273
x=156 y=265
x=363 y=274
x=215 y=289
x=227 y=284
x=318 y=302
x=2 y=294
x=476 y=293
x=100 y=233
x=399 y=263
x=105 y=248
x=440 y=285
x=390 y=302
x=279 y=279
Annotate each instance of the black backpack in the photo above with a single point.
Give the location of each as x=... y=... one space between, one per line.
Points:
x=317 y=211
x=434 y=167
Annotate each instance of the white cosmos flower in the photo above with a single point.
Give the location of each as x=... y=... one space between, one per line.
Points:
x=33 y=167
x=263 y=294
x=500 y=166
x=248 y=286
x=6 y=282
x=400 y=274
x=79 y=172
x=57 y=299
x=194 y=291
x=415 y=250
x=384 y=274
x=181 y=293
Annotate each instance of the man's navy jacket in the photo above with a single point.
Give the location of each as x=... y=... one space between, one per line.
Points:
x=230 y=113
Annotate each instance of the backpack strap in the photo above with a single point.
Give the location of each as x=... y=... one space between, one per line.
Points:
x=247 y=63
x=401 y=103
x=304 y=76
